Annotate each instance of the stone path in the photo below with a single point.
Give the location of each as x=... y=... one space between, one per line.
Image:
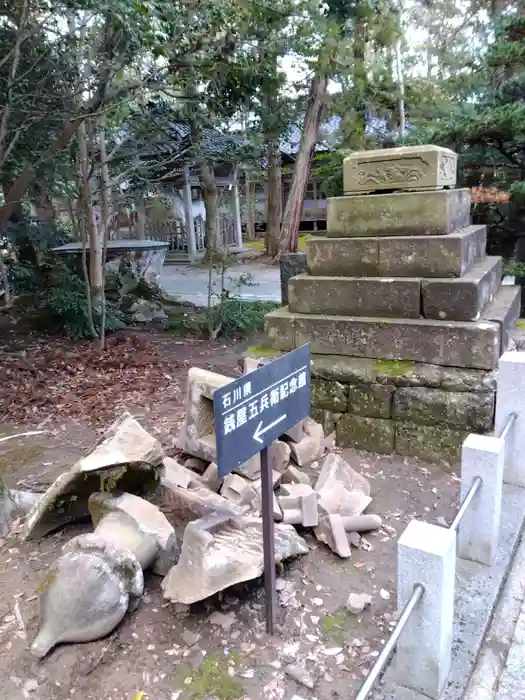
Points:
x=190 y=283
x=500 y=670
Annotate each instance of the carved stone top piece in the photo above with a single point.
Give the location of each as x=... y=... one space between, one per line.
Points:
x=409 y=168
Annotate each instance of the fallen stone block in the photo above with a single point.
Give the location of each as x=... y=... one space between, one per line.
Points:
x=222 y=550
x=149 y=519
x=309 y=512
x=362 y=523
x=313 y=428
x=251 y=469
x=14 y=504
x=293 y=475
x=341 y=489
x=124 y=532
x=86 y=593
x=296 y=432
x=197 y=434
x=176 y=474
x=128 y=459
x=195 y=464
x=279 y=456
x=211 y=478
x=308 y=450
x=181 y=506
x=238 y=490
x=331 y=531
x=296 y=490
x=292 y=516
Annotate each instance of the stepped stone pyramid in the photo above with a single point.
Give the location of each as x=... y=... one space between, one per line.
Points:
x=404 y=310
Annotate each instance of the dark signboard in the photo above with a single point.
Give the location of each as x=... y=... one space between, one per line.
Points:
x=253 y=411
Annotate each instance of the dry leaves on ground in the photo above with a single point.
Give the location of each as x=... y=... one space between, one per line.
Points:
x=62 y=380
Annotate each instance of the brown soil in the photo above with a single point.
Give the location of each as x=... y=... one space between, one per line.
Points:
x=147 y=654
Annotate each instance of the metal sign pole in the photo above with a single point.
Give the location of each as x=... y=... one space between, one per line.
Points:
x=268 y=541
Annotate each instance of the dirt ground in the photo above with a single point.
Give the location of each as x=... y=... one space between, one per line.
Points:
x=166 y=652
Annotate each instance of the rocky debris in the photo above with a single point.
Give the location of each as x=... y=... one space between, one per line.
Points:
x=149 y=520
x=357 y=602
x=224 y=620
x=308 y=450
x=123 y=532
x=197 y=434
x=295 y=433
x=279 y=456
x=362 y=523
x=211 y=478
x=300 y=674
x=331 y=531
x=251 y=469
x=86 y=593
x=341 y=489
x=176 y=474
x=295 y=490
x=146 y=311
x=195 y=464
x=293 y=475
x=221 y=550
x=354 y=538
x=299 y=507
x=190 y=638
x=127 y=459
x=14 y=504
x=313 y=428
x=181 y=506
x=310 y=515
x=238 y=490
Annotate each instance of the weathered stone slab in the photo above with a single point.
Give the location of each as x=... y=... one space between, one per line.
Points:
x=406 y=168
x=372 y=400
x=451 y=255
x=450 y=343
x=439 y=444
x=473 y=410
x=463 y=298
x=504 y=309
x=353 y=296
x=148 y=518
x=290 y=265
x=331 y=396
x=279 y=328
x=399 y=214
x=219 y=551
x=347 y=257
x=128 y=459
x=370 y=434
x=340 y=488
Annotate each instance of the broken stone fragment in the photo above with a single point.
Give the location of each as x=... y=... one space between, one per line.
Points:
x=341 y=489
x=357 y=602
x=123 y=532
x=279 y=456
x=362 y=523
x=353 y=537
x=127 y=459
x=211 y=478
x=295 y=491
x=293 y=475
x=14 y=504
x=221 y=550
x=308 y=450
x=181 y=506
x=300 y=674
x=251 y=469
x=86 y=593
x=331 y=531
x=238 y=490
x=313 y=428
x=296 y=432
x=310 y=515
x=292 y=516
x=195 y=464
x=149 y=519
x=176 y=473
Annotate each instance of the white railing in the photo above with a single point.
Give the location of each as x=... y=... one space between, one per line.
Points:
x=427 y=553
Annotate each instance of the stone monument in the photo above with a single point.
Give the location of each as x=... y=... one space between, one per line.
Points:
x=404 y=310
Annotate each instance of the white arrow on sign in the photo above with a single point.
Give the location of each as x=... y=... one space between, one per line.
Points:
x=260 y=431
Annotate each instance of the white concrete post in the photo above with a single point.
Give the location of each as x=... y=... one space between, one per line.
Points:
x=426 y=555
x=237 y=209
x=188 y=215
x=510 y=398
x=478 y=535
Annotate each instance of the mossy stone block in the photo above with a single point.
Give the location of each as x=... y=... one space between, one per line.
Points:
x=331 y=396
x=438 y=444
x=372 y=400
x=469 y=410
x=370 y=434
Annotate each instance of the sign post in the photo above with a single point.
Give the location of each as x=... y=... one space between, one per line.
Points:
x=250 y=413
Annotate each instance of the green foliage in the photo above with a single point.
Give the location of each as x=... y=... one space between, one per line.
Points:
x=233 y=316
x=211 y=678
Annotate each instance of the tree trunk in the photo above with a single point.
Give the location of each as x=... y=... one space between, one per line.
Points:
x=274 y=199
x=303 y=161
x=249 y=190
x=211 y=204
x=106 y=225
x=360 y=82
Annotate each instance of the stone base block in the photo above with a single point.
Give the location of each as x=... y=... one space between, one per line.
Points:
x=504 y=310
x=399 y=214
x=370 y=434
x=450 y=255
x=355 y=296
x=464 y=298
x=405 y=168
x=437 y=444
x=450 y=343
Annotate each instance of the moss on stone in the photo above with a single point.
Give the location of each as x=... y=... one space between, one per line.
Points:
x=46 y=581
x=334 y=625
x=210 y=679
x=261 y=351
x=109 y=479
x=394 y=368
x=520 y=324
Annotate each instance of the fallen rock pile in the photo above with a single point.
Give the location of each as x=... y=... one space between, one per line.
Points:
x=140 y=500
